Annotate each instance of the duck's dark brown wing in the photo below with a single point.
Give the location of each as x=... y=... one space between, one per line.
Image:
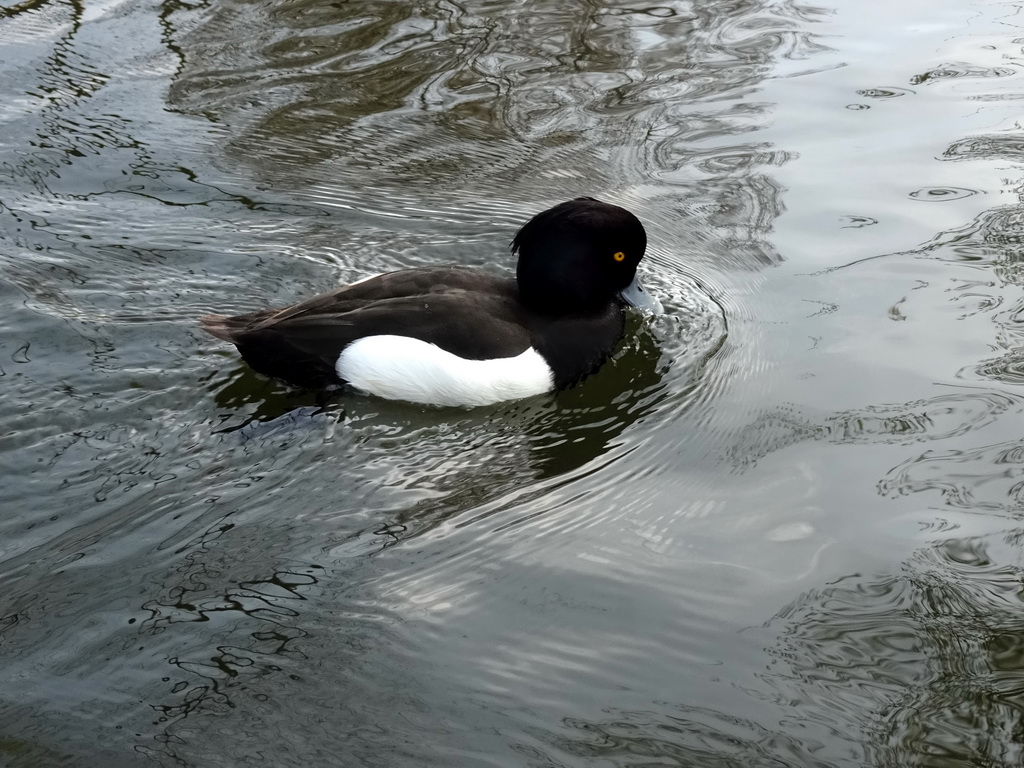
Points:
x=474 y=316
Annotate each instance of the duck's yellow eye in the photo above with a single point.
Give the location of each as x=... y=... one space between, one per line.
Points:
x=619 y=256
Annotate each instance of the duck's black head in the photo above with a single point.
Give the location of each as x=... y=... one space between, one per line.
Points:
x=577 y=256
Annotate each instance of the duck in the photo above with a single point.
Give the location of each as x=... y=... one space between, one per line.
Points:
x=458 y=336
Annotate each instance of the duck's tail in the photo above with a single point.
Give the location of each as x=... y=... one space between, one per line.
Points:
x=222 y=326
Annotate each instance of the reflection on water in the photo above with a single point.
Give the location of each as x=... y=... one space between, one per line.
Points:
x=929 y=656
x=937 y=418
x=479 y=98
x=683 y=736
x=778 y=528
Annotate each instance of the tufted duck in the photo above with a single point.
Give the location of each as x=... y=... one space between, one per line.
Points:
x=455 y=336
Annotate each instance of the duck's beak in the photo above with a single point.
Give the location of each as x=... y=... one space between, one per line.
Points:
x=637 y=296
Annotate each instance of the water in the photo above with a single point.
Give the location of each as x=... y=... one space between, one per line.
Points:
x=781 y=528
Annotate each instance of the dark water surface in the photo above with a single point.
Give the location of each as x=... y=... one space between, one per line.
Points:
x=782 y=528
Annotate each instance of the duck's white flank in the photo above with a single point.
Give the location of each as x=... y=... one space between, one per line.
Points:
x=402 y=368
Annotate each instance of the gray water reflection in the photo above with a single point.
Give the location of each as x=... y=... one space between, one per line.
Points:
x=198 y=564
x=920 y=666
x=929 y=655
x=545 y=101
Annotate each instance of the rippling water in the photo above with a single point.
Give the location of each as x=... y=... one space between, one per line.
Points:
x=782 y=527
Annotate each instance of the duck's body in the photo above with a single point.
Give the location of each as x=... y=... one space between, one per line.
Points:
x=456 y=336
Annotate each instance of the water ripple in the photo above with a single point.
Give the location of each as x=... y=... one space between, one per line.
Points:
x=924 y=656
x=959 y=70
x=1007 y=146
x=483 y=109
x=942 y=194
x=989 y=479
x=934 y=419
x=884 y=93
